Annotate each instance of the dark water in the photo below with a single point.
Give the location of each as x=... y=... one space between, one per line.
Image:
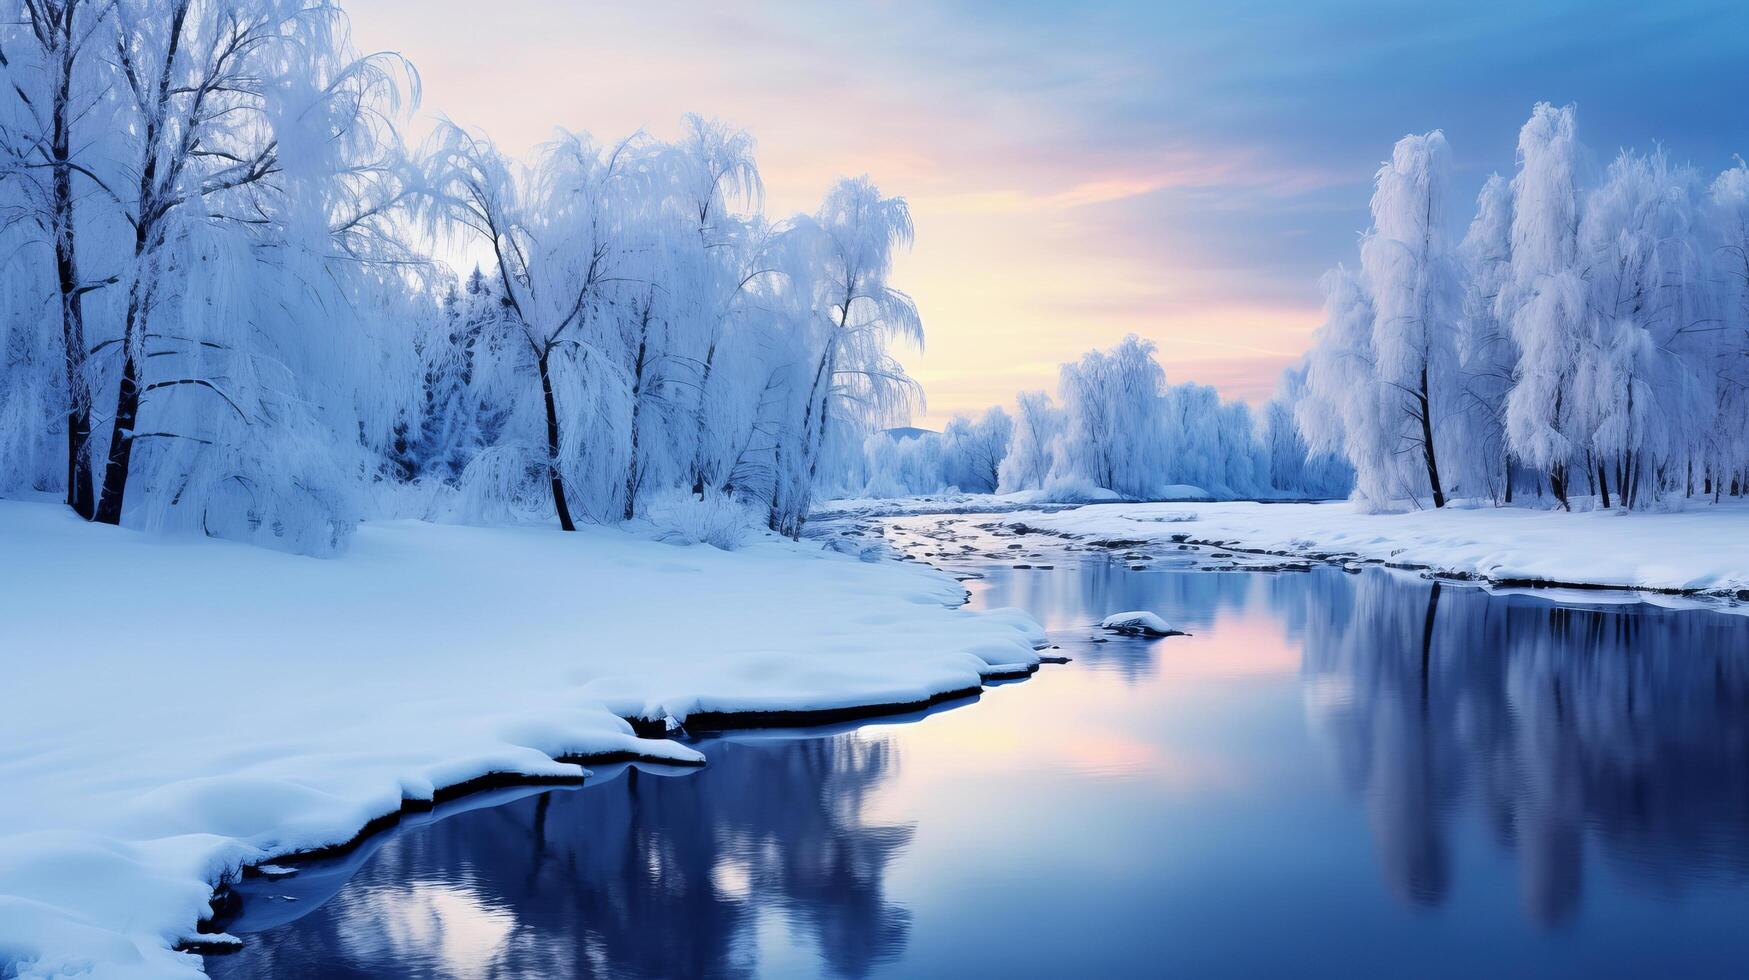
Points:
x=1335 y=774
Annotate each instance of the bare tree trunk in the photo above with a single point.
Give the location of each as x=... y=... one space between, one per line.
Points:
x=819 y=446
x=546 y=389
x=1603 y=484
x=152 y=210
x=774 y=520
x=1427 y=441
x=1558 y=472
x=121 y=436
x=79 y=488
x=822 y=372
x=704 y=388
x=810 y=445
x=637 y=405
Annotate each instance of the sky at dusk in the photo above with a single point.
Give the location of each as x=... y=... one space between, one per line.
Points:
x=1184 y=171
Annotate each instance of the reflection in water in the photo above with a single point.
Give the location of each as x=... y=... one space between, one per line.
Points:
x=1624 y=723
x=1593 y=760
x=1072 y=604
x=639 y=876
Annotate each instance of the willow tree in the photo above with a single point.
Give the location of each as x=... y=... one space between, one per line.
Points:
x=1346 y=410
x=1485 y=347
x=1645 y=381
x=557 y=232
x=1408 y=269
x=852 y=376
x=1543 y=302
x=1031 y=453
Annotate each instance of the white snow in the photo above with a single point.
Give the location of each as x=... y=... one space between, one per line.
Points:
x=1702 y=549
x=178 y=707
x=1139 y=622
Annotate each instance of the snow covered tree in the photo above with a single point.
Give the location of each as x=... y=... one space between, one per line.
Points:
x=973 y=450
x=1032 y=452
x=559 y=240
x=1644 y=384
x=46 y=53
x=1208 y=445
x=1485 y=347
x=203 y=206
x=1543 y=301
x=1347 y=410
x=903 y=465
x=1294 y=469
x=853 y=377
x=216 y=180
x=1600 y=337
x=1111 y=403
x=1383 y=373
x=1413 y=282
x=1721 y=454
x=719 y=172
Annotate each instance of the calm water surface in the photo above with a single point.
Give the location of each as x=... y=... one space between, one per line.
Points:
x=1334 y=773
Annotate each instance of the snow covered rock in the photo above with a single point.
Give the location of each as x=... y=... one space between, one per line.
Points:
x=1136 y=623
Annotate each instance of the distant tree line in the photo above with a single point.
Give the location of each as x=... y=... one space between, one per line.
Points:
x=1117 y=428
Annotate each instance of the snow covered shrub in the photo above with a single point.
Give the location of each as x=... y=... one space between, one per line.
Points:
x=500 y=486
x=425 y=498
x=717 y=519
x=1070 y=489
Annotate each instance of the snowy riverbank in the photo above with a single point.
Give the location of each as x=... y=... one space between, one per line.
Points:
x=181 y=707
x=1703 y=549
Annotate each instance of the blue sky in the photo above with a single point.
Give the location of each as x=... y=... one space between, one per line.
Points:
x=1181 y=170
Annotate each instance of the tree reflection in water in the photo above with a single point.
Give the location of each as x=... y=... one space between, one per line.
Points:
x=1622 y=724
x=640 y=876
